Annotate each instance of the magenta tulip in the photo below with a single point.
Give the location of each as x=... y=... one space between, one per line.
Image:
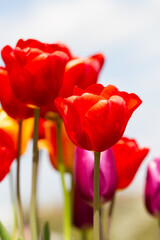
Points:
x=84 y=175
x=152 y=188
x=82 y=212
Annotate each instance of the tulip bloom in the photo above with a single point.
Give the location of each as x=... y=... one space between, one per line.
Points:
x=95 y=118
x=82 y=212
x=152 y=188
x=81 y=73
x=6 y=159
x=128 y=157
x=11 y=127
x=84 y=172
x=13 y=107
x=48 y=141
x=78 y=72
x=8 y=141
x=35 y=70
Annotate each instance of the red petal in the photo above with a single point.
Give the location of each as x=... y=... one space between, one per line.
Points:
x=78 y=91
x=105 y=121
x=81 y=72
x=132 y=102
x=72 y=110
x=128 y=158
x=109 y=91
x=10 y=103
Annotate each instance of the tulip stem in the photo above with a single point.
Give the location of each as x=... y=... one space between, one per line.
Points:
x=67 y=198
x=15 y=221
x=159 y=228
x=101 y=224
x=96 y=222
x=33 y=213
x=84 y=234
x=110 y=214
x=19 y=203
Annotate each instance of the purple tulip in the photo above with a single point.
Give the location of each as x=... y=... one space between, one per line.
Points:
x=82 y=212
x=152 y=188
x=84 y=174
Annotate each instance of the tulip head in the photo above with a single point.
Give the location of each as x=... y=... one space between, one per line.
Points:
x=80 y=72
x=84 y=174
x=10 y=127
x=7 y=146
x=48 y=141
x=95 y=118
x=35 y=71
x=152 y=188
x=128 y=157
x=6 y=159
x=10 y=103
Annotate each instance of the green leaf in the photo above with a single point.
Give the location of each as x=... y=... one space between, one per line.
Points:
x=46 y=231
x=4 y=233
x=20 y=238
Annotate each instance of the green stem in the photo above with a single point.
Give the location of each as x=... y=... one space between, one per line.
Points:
x=20 y=210
x=110 y=214
x=101 y=224
x=15 y=220
x=158 y=228
x=33 y=213
x=67 y=198
x=96 y=222
x=84 y=234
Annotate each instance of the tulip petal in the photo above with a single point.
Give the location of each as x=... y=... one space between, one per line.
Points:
x=9 y=101
x=84 y=174
x=132 y=102
x=82 y=73
x=82 y=212
x=128 y=158
x=109 y=91
x=152 y=193
x=104 y=126
x=6 y=159
x=76 y=104
x=49 y=48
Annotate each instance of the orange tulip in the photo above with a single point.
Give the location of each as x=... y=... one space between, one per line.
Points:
x=50 y=144
x=10 y=126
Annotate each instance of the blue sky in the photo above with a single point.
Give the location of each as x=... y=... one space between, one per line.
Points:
x=127 y=32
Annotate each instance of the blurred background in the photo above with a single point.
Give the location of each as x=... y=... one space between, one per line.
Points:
x=128 y=33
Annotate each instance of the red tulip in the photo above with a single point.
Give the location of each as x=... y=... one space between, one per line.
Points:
x=13 y=107
x=95 y=118
x=81 y=73
x=128 y=157
x=45 y=47
x=8 y=140
x=6 y=160
x=7 y=151
x=78 y=72
x=7 y=143
x=35 y=70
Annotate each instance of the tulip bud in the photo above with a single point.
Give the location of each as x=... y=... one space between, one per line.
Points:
x=84 y=174
x=152 y=188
